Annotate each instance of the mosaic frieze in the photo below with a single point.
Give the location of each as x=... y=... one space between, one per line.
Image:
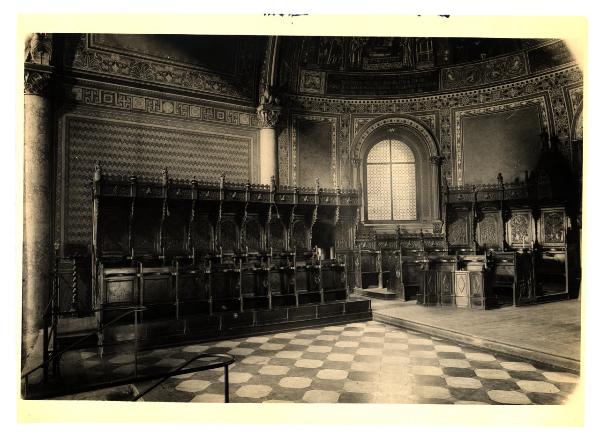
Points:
x=150 y=105
x=483 y=73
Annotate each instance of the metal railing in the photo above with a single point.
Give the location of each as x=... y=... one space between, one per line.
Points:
x=54 y=357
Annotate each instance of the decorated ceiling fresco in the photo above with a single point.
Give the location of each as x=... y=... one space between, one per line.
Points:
x=361 y=66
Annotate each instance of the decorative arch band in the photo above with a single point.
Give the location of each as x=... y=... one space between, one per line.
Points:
x=400 y=121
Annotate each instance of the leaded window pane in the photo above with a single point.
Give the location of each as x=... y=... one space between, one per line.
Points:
x=401 y=153
x=378 y=192
x=380 y=153
x=404 y=195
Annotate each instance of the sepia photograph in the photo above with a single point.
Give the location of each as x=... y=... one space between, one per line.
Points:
x=355 y=218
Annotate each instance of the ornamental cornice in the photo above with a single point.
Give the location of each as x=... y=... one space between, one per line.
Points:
x=441 y=100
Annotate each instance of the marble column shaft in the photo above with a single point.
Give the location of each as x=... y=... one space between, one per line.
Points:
x=37 y=206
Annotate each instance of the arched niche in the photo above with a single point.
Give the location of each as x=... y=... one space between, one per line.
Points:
x=414 y=134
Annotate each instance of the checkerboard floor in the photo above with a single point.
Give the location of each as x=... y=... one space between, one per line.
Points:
x=366 y=362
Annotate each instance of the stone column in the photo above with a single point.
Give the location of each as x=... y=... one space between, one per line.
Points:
x=268 y=116
x=435 y=162
x=357 y=184
x=37 y=186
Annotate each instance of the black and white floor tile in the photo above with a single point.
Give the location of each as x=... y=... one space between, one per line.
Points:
x=365 y=362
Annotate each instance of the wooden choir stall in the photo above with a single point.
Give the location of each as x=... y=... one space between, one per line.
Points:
x=504 y=244
x=214 y=259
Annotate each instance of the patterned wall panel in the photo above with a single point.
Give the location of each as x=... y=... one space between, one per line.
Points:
x=520 y=231
x=143 y=150
x=457 y=232
x=489 y=230
x=552 y=227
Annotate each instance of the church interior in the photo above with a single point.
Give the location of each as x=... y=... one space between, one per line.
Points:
x=301 y=219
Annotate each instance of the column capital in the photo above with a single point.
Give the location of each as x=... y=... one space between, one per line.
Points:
x=268 y=115
x=356 y=162
x=38 y=69
x=37 y=80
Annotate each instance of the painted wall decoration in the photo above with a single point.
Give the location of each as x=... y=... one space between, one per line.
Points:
x=446 y=106
x=382 y=84
x=509 y=139
x=510 y=135
x=224 y=73
x=324 y=163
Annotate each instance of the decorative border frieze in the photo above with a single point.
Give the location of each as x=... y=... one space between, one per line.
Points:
x=116 y=99
x=485 y=72
x=445 y=104
x=492 y=94
x=402 y=121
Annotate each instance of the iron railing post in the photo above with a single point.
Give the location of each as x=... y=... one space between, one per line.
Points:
x=226 y=383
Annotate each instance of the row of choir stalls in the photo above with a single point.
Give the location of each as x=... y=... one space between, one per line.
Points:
x=503 y=244
x=392 y=266
x=220 y=253
x=516 y=243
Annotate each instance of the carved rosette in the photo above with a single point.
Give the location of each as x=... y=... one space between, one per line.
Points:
x=268 y=115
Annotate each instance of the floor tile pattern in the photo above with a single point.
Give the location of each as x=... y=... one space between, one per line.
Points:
x=366 y=362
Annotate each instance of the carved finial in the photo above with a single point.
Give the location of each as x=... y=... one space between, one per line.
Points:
x=317 y=185
x=500 y=180
x=97 y=171
x=222 y=180
x=272 y=183
x=165 y=176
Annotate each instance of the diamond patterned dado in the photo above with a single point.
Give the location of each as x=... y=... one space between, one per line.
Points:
x=128 y=148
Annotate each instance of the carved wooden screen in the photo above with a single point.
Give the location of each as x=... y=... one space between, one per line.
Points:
x=299 y=235
x=202 y=236
x=391 y=182
x=229 y=236
x=277 y=235
x=175 y=227
x=253 y=235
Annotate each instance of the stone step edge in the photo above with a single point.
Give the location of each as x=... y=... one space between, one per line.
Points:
x=536 y=357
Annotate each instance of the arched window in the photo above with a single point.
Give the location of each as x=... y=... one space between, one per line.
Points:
x=391 y=182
